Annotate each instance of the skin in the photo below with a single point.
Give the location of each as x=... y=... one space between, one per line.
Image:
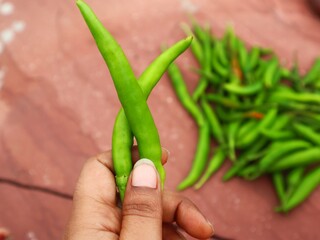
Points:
x=146 y=213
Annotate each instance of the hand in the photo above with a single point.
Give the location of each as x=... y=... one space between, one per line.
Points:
x=147 y=212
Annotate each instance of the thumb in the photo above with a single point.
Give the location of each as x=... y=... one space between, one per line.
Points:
x=142 y=206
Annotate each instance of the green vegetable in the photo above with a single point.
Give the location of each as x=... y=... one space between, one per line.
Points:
x=214 y=123
x=307 y=133
x=303 y=190
x=122 y=138
x=231 y=136
x=278 y=182
x=247 y=90
x=136 y=116
x=264 y=116
x=277 y=134
x=214 y=165
x=206 y=61
x=268 y=119
x=271 y=74
x=254 y=56
x=277 y=152
x=203 y=146
x=296 y=159
x=314 y=73
x=293 y=179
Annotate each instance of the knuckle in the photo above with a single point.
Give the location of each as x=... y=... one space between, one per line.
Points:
x=148 y=210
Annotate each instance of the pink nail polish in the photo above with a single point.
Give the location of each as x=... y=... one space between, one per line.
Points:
x=144 y=174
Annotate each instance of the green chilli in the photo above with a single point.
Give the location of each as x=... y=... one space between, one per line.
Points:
x=277 y=134
x=293 y=178
x=243 y=90
x=310 y=182
x=214 y=123
x=232 y=131
x=195 y=46
x=245 y=158
x=221 y=53
x=227 y=102
x=129 y=92
x=299 y=97
x=243 y=56
x=281 y=150
x=268 y=119
x=296 y=159
x=221 y=69
x=203 y=146
x=270 y=75
x=214 y=164
x=279 y=184
x=254 y=56
x=307 y=133
x=206 y=61
x=313 y=74
x=122 y=138
x=246 y=127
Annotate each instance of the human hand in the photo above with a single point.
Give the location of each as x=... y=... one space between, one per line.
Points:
x=147 y=211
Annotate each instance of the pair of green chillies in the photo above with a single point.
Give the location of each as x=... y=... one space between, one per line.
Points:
x=261 y=124
x=134 y=119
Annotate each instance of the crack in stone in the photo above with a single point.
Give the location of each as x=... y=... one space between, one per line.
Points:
x=36 y=188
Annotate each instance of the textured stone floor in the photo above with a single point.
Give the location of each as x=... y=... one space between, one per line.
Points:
x=58 y=104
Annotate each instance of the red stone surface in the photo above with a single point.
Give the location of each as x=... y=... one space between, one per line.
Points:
x=58 y=104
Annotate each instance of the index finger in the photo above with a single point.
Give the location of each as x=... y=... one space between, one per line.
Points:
x=181 y=210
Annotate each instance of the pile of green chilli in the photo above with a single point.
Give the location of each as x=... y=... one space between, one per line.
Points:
x=134 y=119
x=263 y=117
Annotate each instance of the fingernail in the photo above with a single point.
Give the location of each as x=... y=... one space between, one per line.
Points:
x=168 y=152
x=210 y=224
x=144 y=174
x=181 y=236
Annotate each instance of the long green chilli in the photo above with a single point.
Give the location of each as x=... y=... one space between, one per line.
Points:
x=303 y=190
x=307 y=133
x=203 y=146
x=296 y=159
x=278 y=182
x=215 y=125
x=206 y=57
x=213 y=166
x=281 y=150
x=122 y=138
x=129 y=92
